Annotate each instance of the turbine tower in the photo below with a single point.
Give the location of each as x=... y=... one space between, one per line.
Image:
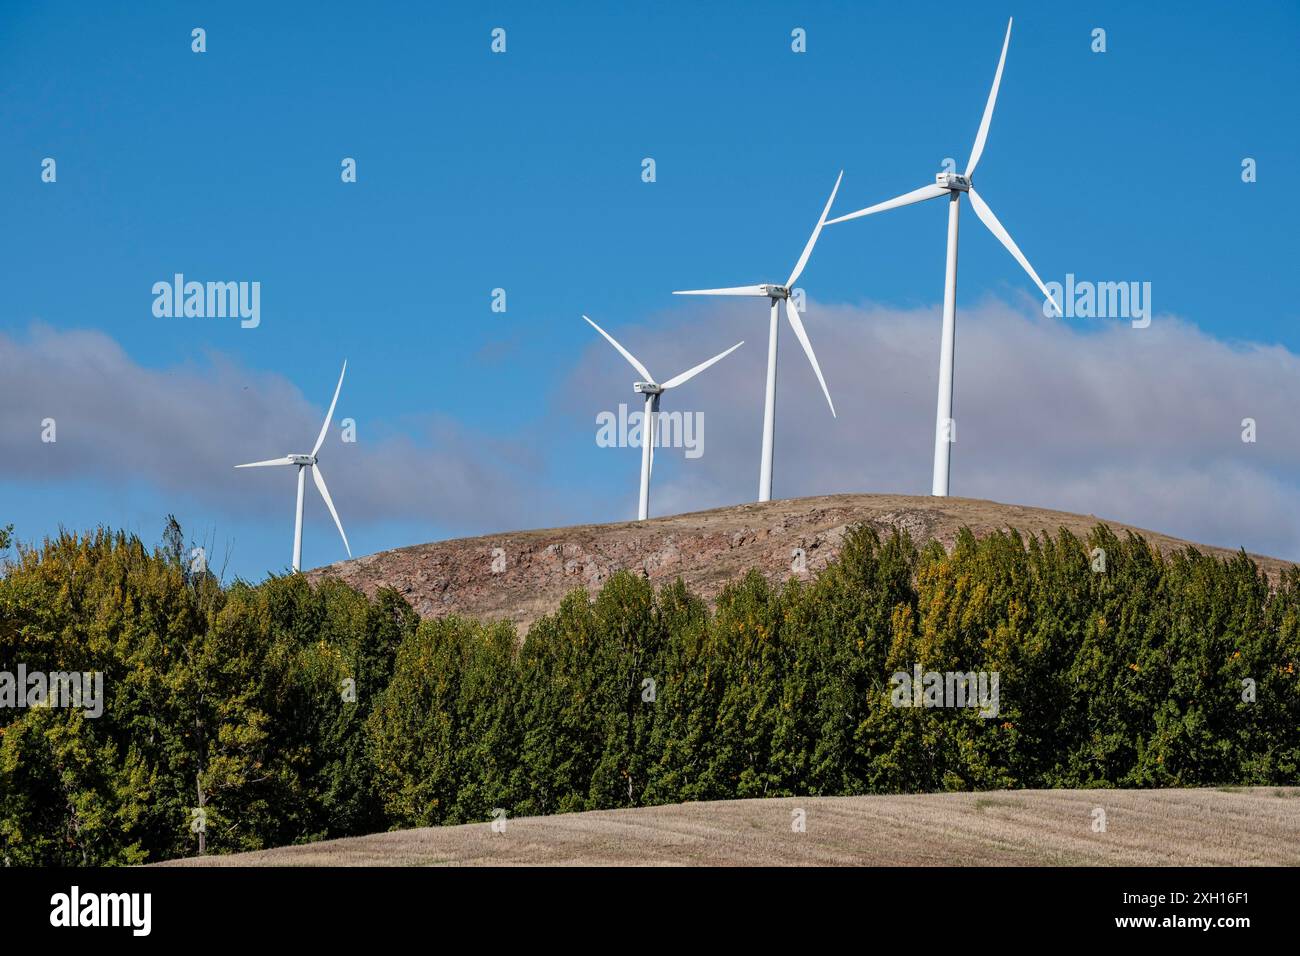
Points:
x=652 y=390
x=310 y=463
x=779 y=293
x=953 y=185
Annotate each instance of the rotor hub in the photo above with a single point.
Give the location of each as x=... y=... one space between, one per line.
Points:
x=953 y=181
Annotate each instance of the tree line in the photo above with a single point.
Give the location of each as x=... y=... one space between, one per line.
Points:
x=247 y=716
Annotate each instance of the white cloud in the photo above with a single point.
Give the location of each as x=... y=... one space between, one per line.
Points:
x=1136 y=425
x=183 y=429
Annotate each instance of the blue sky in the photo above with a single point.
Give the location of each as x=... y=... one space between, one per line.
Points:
x=523 y=171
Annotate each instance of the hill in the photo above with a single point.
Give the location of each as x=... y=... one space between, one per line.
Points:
x=1224 y=827
x=522 y=575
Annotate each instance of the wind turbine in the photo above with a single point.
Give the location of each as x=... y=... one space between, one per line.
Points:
x=953 y=185
x=777 y=293
x=651 y=390
x=310 y=463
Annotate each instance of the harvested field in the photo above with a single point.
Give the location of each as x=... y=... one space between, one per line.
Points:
x=1231 y=826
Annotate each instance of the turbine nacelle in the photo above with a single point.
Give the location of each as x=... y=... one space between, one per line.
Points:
x=647 y=388
x=775 y=291
x=302 y=459
x=953 y=181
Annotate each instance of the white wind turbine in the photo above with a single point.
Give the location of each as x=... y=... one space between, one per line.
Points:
x=310 y=463
x=651 y=390
x=953 y=185
x=777 y=293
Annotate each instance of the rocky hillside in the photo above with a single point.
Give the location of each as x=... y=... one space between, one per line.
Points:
x=521 y=575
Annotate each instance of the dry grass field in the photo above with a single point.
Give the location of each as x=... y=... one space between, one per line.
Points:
x=1231 y=826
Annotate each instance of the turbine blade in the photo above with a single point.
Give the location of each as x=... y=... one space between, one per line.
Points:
x=983 y=134
x=733 y=290
x=622 y=351
x=802 y=335
x=691 y=373
x=320 y=439
x=329 y=503
x=267 y=463
x=986 y=216
x=916 y=195
x=812 y=240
